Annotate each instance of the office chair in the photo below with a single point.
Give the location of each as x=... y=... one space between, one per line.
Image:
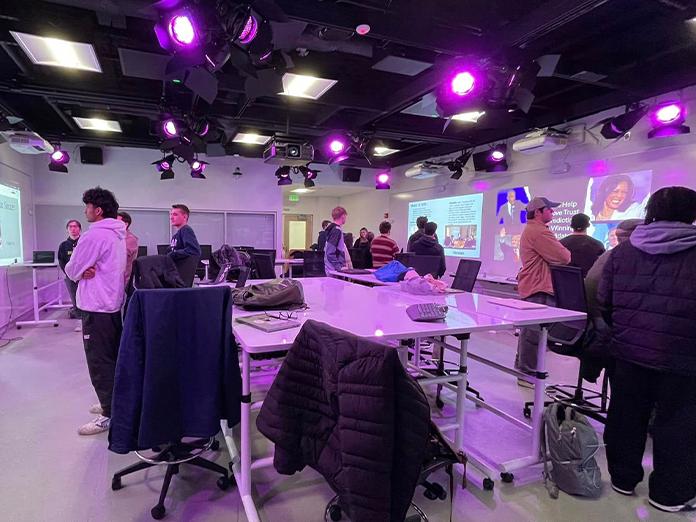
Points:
x=466 y=275
x=263 y=266
x=206 y=254
x=162 y=250
x=142 y=251
x=421 y=264
x=187 y=268
x=314 y=264
x=568 y=339
x=360 y=257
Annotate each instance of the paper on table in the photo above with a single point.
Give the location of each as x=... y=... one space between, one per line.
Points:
x=515 y=303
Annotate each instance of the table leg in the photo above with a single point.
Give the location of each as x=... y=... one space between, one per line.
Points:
x=35 y=293
x=539 y=389
x=461 y=392
x=245 y=433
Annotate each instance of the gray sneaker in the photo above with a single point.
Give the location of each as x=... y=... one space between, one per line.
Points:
x=98 y=425
x=96 y=409
x=688 y=506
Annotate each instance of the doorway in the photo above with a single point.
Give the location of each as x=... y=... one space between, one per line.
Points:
x=297 y=232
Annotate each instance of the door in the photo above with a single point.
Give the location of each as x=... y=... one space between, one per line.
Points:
x=297 y=232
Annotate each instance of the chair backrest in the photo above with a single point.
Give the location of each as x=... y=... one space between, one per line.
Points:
x=162 y=250
x=142 y=250
x=187 y=268
x=314 y=264
x=263 y=266
x=206 y=251
x=360 y=257
x=421 y=264
x=266 y=252
x=569 y=291
x=466 y=275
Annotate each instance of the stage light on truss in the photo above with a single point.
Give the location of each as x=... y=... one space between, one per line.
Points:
x=59 y=160
x=668 y=119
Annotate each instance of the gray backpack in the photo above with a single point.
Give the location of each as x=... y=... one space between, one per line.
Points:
x=571 y=443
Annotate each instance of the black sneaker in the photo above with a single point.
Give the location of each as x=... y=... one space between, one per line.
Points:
x=688 y=506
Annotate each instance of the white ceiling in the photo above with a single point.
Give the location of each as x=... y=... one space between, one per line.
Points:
x=331 y=191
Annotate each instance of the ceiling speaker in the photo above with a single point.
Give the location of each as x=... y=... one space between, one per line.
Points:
x=91 y=156
x=351 y=174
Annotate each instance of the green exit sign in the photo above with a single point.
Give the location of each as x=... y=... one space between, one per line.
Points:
x=293 y=197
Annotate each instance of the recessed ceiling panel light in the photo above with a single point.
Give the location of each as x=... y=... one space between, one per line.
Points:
x=97 y=124
x=251 y=138
x=302 y=190
x=305 y=86
x=383 y=151
x=58 y=53
x=471 y=117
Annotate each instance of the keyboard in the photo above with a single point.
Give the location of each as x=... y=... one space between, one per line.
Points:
x=354 y=271
x=427 y=312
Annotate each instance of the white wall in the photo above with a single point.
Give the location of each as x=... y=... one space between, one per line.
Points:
x=366 y=209
x=129 y=174
x=563 y=174
x=318 y=207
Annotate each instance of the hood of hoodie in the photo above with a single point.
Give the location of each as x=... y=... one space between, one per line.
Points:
x=664 y=237
x=110 y=224
x=426 y=241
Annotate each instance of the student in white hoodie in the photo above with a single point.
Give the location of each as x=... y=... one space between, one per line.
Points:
x=98 y=265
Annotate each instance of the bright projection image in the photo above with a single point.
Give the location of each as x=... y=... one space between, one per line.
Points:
x=10 y=226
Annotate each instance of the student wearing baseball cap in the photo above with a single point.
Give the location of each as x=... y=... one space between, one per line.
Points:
x=539 y=249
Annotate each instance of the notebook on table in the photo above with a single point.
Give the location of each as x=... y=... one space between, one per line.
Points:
x=515 y=303
x=268 y=322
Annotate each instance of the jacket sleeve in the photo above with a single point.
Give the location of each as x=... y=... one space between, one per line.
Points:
x=63 y=256
x=190 y=246
x=551 y=249
x=333 y=256
x=605 y=290
x=84 y=256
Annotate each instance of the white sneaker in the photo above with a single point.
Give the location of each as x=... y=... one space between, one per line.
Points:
x=689 y=506
x=96 y=409
x=626 y=492
x=78 y=328
x=98 y=425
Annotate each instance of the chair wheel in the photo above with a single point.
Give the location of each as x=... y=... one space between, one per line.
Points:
x=335 y=513
x=230 y=465
x=215 y=445
x=223 y=483
x=429 y=494
x=439 y=491
x=488 y=484
x=439 y=403
x=116 y=483
x=19 y=328
x=158 y=512
x=507 y=477
x=527 y=412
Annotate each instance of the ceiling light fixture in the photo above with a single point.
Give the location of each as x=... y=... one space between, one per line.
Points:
x=493 y=160
x=170 y=128
x=363 y=29
x=382 y=181
x=197 y=168
x=181 y=30
x=619 y=125
x=98 y=124
x=249 y=31
x=383 y=151
x=59 y=160
x=251 y=138
x=668 y=119
x=283 y=175
x=56 y=52
x=165 y=166
x=470 y=117
x=303 y=86
x=463 y=83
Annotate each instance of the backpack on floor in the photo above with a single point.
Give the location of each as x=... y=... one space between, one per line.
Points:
x=572 y=445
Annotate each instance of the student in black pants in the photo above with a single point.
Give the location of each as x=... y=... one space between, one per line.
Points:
x=65 y=250
x=647 y=295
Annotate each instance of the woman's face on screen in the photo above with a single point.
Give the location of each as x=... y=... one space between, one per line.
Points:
x=617 y=196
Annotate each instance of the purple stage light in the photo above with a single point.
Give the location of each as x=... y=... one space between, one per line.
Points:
x=497 y=155
x=169 y=128
x=165 y=165
x=383 y=178
x=668 y=113
x=382 y=181
x=463 y=83
x=249 y=31
x=205 y=130
x=181 y=30
x=196 y=165
x=336 y=146
x=59 y=156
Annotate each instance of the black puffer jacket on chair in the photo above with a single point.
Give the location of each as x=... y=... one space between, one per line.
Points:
x=346 y=407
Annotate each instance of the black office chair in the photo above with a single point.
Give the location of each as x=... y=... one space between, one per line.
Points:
x=314 y=264
x=360 y=257
x=267 y=252
x=568 y=339
x=162 y=250
x=142 y=251
x=466 y=275
x=262 y=266
x=187 y=268
x=421 y=264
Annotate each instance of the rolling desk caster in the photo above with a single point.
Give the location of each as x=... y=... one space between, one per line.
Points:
x=158 y=512
x=507 y=477
x=335 y=513
x=488 y=484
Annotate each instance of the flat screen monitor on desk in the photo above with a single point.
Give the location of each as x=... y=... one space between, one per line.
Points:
x=43 y=256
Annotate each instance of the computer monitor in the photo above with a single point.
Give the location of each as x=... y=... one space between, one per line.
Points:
x=43 y=256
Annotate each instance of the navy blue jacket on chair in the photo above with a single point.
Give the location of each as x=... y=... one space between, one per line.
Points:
x=177 y=373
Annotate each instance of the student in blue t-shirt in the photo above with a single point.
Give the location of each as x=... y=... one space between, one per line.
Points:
x=184 y=242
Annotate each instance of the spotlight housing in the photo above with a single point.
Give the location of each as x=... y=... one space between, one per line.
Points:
x=171 y=128
x=382 y=181
x=181 y=30
x=309 y=175
x=620 y=125
x=165 y=166
x=249 y=31
x=456 y=166
x=197 y=168
x=59 y=159
x=283 y=175
x=668 y=119
x=493 y=160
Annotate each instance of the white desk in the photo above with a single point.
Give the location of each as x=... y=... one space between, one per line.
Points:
x=291 y=262
x=497 y=285
x=363 y=279
x=56 y=302
x=361 y=311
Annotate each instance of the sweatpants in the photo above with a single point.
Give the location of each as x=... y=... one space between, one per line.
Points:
x=528 y=341
x=101 y=335
x=72 y=290
x=635 y=391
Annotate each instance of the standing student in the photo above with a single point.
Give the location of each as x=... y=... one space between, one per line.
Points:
x=184 y=242
x=131 y=243
x=383 y=248
x=584 y=250
x=539 y=249
x=335 y=249
x=427 y=245
x=363 y=245
x=648 y=298
x=420 y=224
x=98 y=264
x=65 y=250
x=321 y=240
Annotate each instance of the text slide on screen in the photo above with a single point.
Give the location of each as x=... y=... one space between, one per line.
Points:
x=10 y=226
x=607 y=200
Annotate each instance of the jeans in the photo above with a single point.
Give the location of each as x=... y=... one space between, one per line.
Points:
x=635 y=392
x=101 y=336
x=528 y=341
x=72 y=290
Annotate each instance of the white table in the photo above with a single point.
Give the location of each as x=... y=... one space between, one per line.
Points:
x=361 y=311
x=470 y=303
x=291 y=262
x=56 y=302
x=363 y=279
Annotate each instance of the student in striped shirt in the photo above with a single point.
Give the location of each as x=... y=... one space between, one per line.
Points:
x=383 y=247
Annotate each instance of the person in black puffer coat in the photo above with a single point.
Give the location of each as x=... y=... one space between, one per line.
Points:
x=648 y=297
x=427 y=245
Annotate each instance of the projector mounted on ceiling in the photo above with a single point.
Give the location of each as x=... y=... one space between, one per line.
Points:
x=287 y=153
x=541 y=141
x=28 y=142
x=425 y=170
